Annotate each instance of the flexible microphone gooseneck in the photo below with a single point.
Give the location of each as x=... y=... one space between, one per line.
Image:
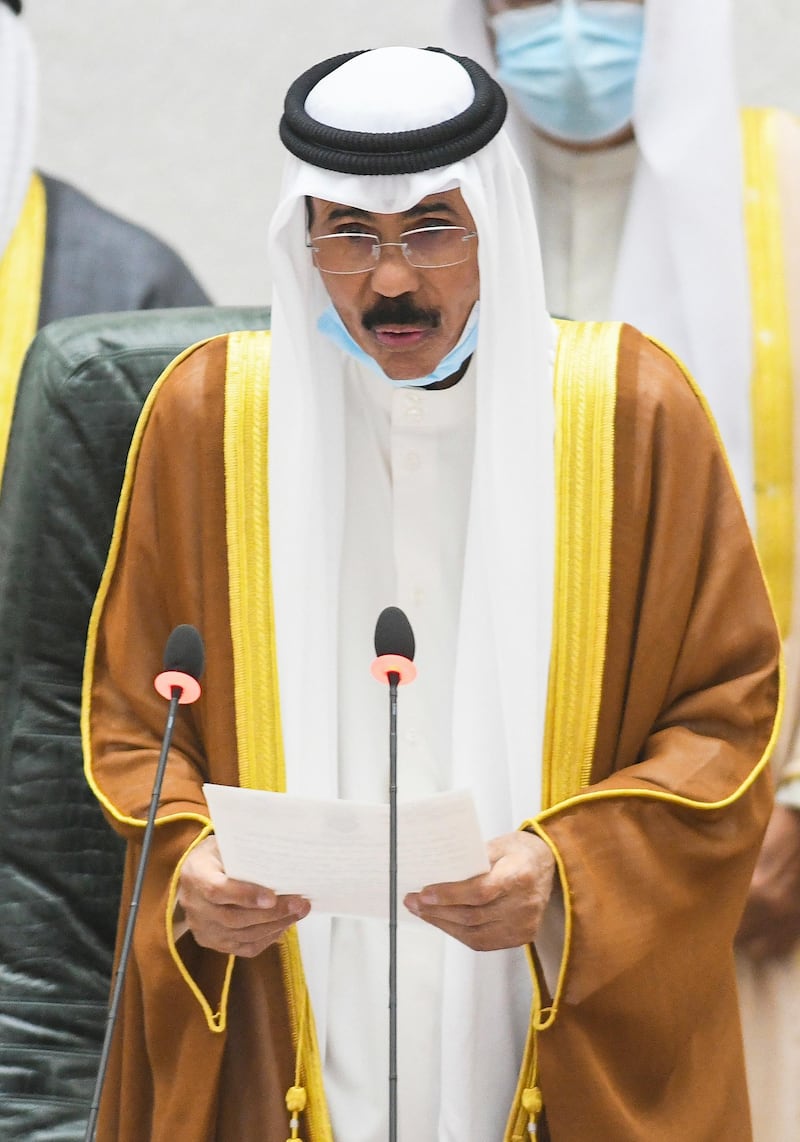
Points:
x=394 y=647
x=184 y=659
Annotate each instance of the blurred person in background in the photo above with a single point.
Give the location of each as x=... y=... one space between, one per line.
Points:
x=61 y=254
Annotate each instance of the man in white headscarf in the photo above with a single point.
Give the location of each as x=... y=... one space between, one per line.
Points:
x=660 y=204
x=597 y=663
x=61 y=254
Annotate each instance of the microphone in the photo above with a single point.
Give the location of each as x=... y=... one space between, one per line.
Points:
x=394 y=647
x=184 y=659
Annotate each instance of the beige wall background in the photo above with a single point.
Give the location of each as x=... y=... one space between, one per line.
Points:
x=166 y=110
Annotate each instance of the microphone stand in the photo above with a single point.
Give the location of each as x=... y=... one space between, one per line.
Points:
x=127 y=943
x=394 y=678
x=394 y=647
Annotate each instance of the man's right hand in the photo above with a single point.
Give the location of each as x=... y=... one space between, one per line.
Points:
x=230 y=916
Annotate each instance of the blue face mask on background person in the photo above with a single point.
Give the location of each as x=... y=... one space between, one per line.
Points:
x=572 y=66
x=331 y=324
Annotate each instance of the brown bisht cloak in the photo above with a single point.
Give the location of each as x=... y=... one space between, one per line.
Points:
x=655 y=829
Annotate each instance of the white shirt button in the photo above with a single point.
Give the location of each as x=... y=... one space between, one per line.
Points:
x=412 y=408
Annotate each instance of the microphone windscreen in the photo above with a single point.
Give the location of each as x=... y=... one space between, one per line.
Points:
x=393 y=634
x=184 y=651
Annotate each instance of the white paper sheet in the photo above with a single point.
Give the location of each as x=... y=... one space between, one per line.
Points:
x=336 y=853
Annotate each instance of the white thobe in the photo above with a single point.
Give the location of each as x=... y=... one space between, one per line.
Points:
x=408 y=465
x=581 y=199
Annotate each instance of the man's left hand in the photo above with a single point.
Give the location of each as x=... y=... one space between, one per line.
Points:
x=503 y=907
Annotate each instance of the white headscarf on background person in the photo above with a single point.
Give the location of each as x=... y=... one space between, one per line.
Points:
x=504 y=636
x=682 y=268
x=17 y=118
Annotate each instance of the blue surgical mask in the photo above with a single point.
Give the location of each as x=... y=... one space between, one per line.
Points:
x=331 y=324
x=572 y=66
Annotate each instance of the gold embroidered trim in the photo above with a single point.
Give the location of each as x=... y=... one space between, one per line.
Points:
x=585 y=391
x=21 y=269
x=260 y=748
x=258 y=726
x=585 y=396
x=771 y=391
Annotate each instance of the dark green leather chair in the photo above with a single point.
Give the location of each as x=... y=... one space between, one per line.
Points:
x=82 y=386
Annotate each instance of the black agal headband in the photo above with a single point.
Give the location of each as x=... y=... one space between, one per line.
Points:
x=396 y=152
x=14 y=5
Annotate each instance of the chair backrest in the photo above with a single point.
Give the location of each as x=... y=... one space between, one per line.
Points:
x=80 y=393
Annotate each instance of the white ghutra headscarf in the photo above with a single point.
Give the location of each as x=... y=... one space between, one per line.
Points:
x=504 y=634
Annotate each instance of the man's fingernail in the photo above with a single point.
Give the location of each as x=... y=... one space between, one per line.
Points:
x=428 y=896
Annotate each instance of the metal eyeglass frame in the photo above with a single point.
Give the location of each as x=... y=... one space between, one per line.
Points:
x=378 y=246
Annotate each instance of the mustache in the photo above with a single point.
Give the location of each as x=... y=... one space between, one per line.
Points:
x=399 y=311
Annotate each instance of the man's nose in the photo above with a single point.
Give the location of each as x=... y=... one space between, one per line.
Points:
x=394 y=274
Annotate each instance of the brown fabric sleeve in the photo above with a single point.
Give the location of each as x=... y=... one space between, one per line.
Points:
x=171 y=568
x=656 y=885
x=164 y=1073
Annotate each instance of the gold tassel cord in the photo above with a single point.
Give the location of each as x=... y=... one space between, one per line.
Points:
x=532 y=1103
x=296 y=1097
x=295 y=1104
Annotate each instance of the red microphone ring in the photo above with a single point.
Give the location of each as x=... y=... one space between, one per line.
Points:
x=167 y=679
x=387 y=664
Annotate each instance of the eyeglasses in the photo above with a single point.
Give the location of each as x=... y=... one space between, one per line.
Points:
x=430 y=248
